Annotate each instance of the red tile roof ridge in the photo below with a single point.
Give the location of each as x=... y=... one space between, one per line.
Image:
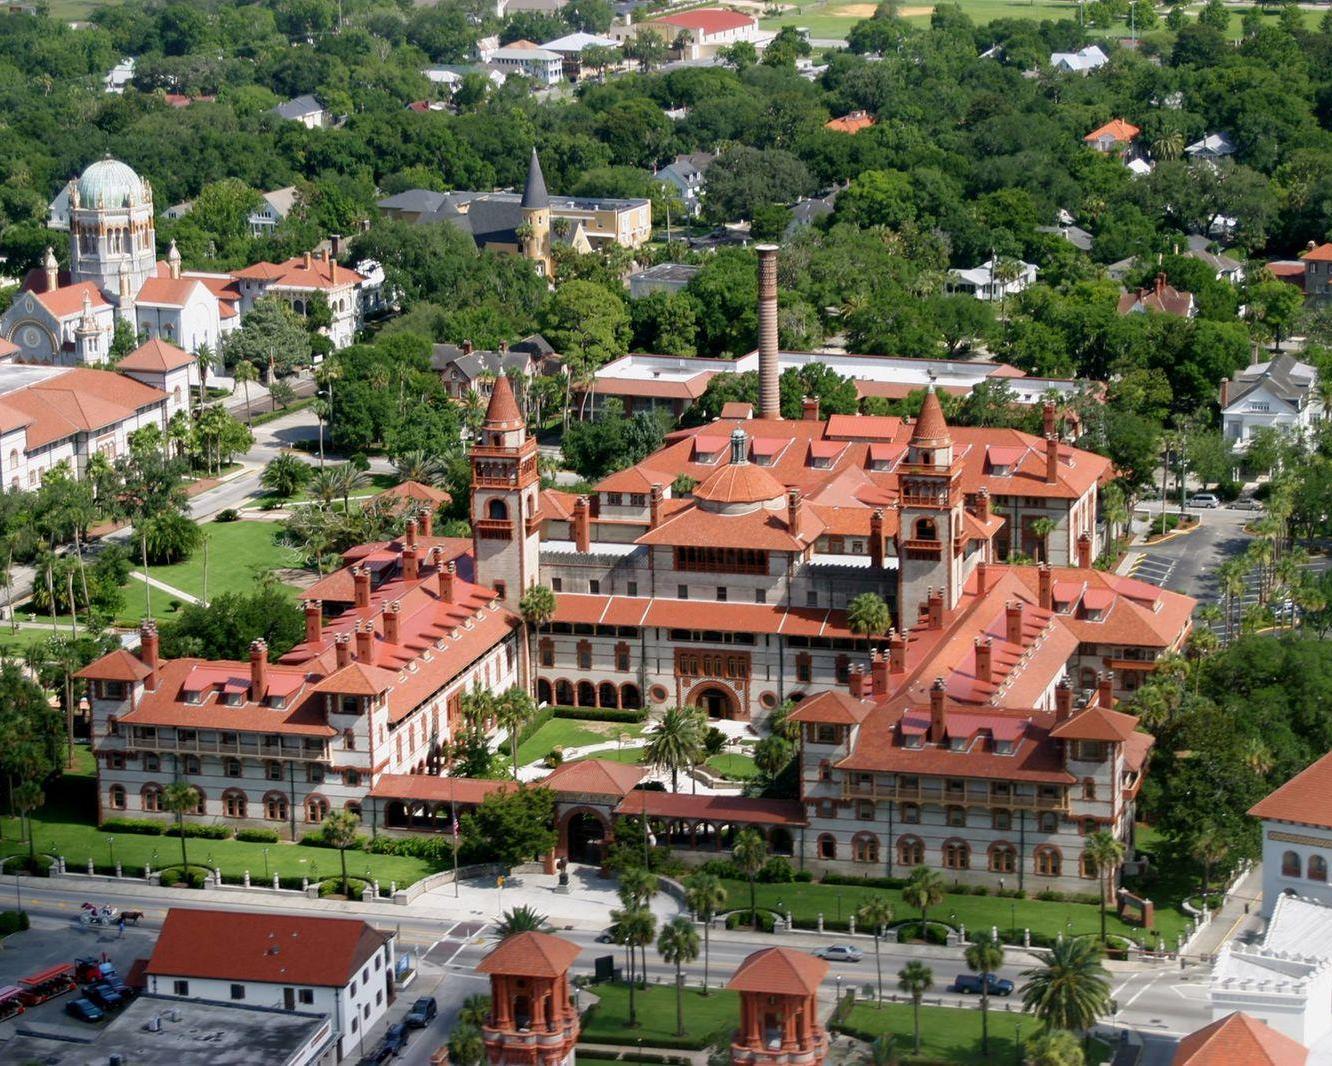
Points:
x=779 y=971
x=1304 y=799
x=531 y=954
x=1239 y=1040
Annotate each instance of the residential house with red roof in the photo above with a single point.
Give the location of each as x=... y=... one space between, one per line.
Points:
x=298 y=280
x=341 y=968
x=1160 y=297
x=697 y=34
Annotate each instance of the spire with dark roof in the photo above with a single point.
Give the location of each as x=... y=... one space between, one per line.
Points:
x=535 y=197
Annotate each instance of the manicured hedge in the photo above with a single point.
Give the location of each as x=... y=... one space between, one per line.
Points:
x=599 y=714
x=195 y=877
x=333 y=887
x=257 y=836
x=13 y=922
x=133 y=825
x=206 y=832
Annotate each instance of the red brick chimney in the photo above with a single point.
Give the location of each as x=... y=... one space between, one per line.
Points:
x=1013 y=621
x=809 y=408
x=1063 y=700
x=654 y=506
x=342 y=649
x=1085 y=551
x=365 y=643
x=582 y=525
x=1160 y=284
x=1225 y=391
x=446 y=575
x=427 y=521
x=982 y=578
x=309 y=261
x=934 y=603
x=897 y=649
x=392 y=616
x=938 y=721
x=1045 y=578
x=148 y=653
x=1106 y=687
x=1051 y=460
x=982 y=510
x=467 y=347
x=361 y=579
x=879 y=673
x=314 y=621
x=409 y=537
x=793 y=506
x=984 y=660
x=876 y=539
x=411 y=563
x=1048 y=413
x=258 y=670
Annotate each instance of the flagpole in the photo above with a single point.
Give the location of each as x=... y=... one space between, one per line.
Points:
x=453 y=826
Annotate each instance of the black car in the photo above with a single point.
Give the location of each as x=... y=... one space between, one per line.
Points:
x=422 y=1012
x=85 y=1010
x=396 y=1037
x=104 y=995
x=969 y=984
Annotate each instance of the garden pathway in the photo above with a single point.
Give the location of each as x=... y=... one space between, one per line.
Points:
x=162 y=586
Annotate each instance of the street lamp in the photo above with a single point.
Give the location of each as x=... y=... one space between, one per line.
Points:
x=265 y=864
x=111 y=849
x=1012 y=919
x=1017 y=1046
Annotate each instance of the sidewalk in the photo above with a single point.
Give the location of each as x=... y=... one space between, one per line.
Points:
x=1242 y=905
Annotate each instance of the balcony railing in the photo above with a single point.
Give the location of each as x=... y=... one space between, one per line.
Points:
x=493 y=528
x=978 y=797
x=202 y=745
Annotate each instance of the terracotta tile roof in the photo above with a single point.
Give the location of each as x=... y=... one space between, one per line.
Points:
x=156 y=357
x=685 y=614
x=1303 y=799
x=81 y=400
x=1239 y=1040
x=714 y=808
x=737 y=409
x=118 y=665
x=740 y=483
x=595 y=777
x=168 y=291
x=762 y=528
x=708 y=20
x=1320 y=254
x=779 y=972
x=1117 y=128
x=832 y=707
x=852 y=123
x=1097 y=723
x=557 y=504
x=675 y=389
x=401 y=495
x=276 y=949
x=631 y=479
x=1132 y=612
x=1136 y=749
x=1161 y=298
x=68 y=299
x=930 y=429
x=468 y=791
x=862 y=427
x=302 y=272
x=502 y=412
x=357 y=679
x=531 y=954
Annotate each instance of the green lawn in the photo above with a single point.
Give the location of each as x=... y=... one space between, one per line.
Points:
x=952 y=1034
x=838 y=902
x=632 y=756
x=707 y=1018
x=571 y=733
x=736 y=767
x=63 y=828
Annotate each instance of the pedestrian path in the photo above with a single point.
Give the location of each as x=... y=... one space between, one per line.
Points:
x=1241 y=905
x=162 y=586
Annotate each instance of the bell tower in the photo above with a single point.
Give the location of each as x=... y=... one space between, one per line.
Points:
x=933 y=534
x=536 y=219
x=505 y=499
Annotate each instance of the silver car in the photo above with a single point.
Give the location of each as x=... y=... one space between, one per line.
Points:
x=840 y=953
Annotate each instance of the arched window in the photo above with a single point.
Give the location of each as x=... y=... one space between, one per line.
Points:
x=956 y=816
x=151 y=797
x=316 y=808
x=564 y=694
x=13 y=459
x=1088 y=788
x=607 y=695
x=1047 y=822
x=911 y=814
x=630 y=697
x=957 y=855
x=1290 y=864
x=827 y=846
x=911 y=851
x=233 y=803
x=201 y=804
x=926 y=529
x=1317 y=868
x=543 y=690
x=351 y=778
x=497 y=510
x=865 y=847
x=1003 y=858
x=1049 y=863
x=115 y=798
x=275 y=807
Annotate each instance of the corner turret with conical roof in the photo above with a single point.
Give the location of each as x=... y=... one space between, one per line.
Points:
x=932 y=539
x=534 y=236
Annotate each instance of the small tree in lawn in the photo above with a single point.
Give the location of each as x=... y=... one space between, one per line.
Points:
x=285 y=475
x=678 y=944
x=924 y=889
x=1104 y=852
x=339 y=831
x=27 y=798
x=1055 y=1047
x=985 y=957
x=915 y=979
x=876 y=913
x=868 y=616
x=750 y=853
x=705 y=895
x=180 y=798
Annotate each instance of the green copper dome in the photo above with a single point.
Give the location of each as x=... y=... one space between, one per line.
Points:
x=110 y=183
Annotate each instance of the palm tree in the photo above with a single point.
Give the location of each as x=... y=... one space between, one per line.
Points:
x=633 y=928
x=676 y=744
x=467 y=1046
x=1169 y=145
x=523 y=919
x=1055 y=1048
x=985 y=957
x=284 y=475
x=339 y=831
x=915 y=979
x=348 y=479
x=180 y=798
x=244 y=373
x=1071 y=988
x=750 y=853
x=705 y=895
x=924 y=889
x=513 y=710
x=637 y=887
x=1043 y=527
x=203 y=359
x=475 y=1010
x=418 y=466
x=324 y=487
x=1104 y=852
x=678 y=944
x=883 y=1052
x=876 y=912
x=1209 y=847
x=868 y=616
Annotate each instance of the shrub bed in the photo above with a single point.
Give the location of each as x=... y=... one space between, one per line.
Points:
x=333 y=887
x=194 y=877
x=315 y=840
x=13 y=922
x=205 y=832
x=598 y=714
x=257 y=836
x=933 y=934
x=133 y=825
x=744 y=920
x=38 y=865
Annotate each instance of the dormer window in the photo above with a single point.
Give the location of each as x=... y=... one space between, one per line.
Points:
x=912 y=740
x=234 y=699
x=957 y=743
x=277 y=702
x=193 y=696
x=1003 y=747
x=1001 y=471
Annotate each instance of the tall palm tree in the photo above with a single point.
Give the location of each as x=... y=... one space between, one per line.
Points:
x=915 y=979
x=1070 y=989
x=675 y=744
x=1043 y=527
x=633 y=928
x=1169 y=145
x=1104 y=851
x=868 y=616
x=637 y=887
x=924 y=889
x=348 y=479
x=749 y=852
x=705 y=895
x=522 y=919
x=180 y=798
x=514 y=709
x=244 y=372
x=678 y=944
x=1209 y=847
x=876 y=912
x=984 y=957
x=418 y=466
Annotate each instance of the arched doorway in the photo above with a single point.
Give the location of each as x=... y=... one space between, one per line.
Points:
x=585 y=837
x=717 y=701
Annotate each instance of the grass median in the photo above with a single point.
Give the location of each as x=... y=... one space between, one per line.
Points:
x=708 y=1019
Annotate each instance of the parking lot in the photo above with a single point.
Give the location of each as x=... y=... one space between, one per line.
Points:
x=51 y=941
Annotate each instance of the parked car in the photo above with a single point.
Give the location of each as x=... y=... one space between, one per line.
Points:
x=422 y=1013
x=396 y=1037
x=1203 y=501
x=840 y=953
x=606 y=938
x=85 y=1010
x=104 y=995
x=969 y=984
x=1247 y=503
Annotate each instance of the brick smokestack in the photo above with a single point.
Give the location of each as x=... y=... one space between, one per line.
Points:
x=411 y=563
x=392 y=628
x=365 y=643
x=860 y=687
x=982 y=509
x=1048 y=415
x=314 y=621
x=409 y=537
x=582 y=525
x=1106 y=685
x=1013 y=622
x=809 y=408
x=654 y=506
x=148 y=653
x=934 y=607
x=793 y=510
x=1085 y=551
x=1063 y=700
x=770 y=395
x=897 y=649
x=876 y=539
x=938 y=722
x=446 y=575
x=1045 y=579
x=361 y=579
x=879 y=673
x=427 y=518
x=342 y=649
x=1051 y=459
x=258 y=670
x=982 y=578
x=984 y=660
